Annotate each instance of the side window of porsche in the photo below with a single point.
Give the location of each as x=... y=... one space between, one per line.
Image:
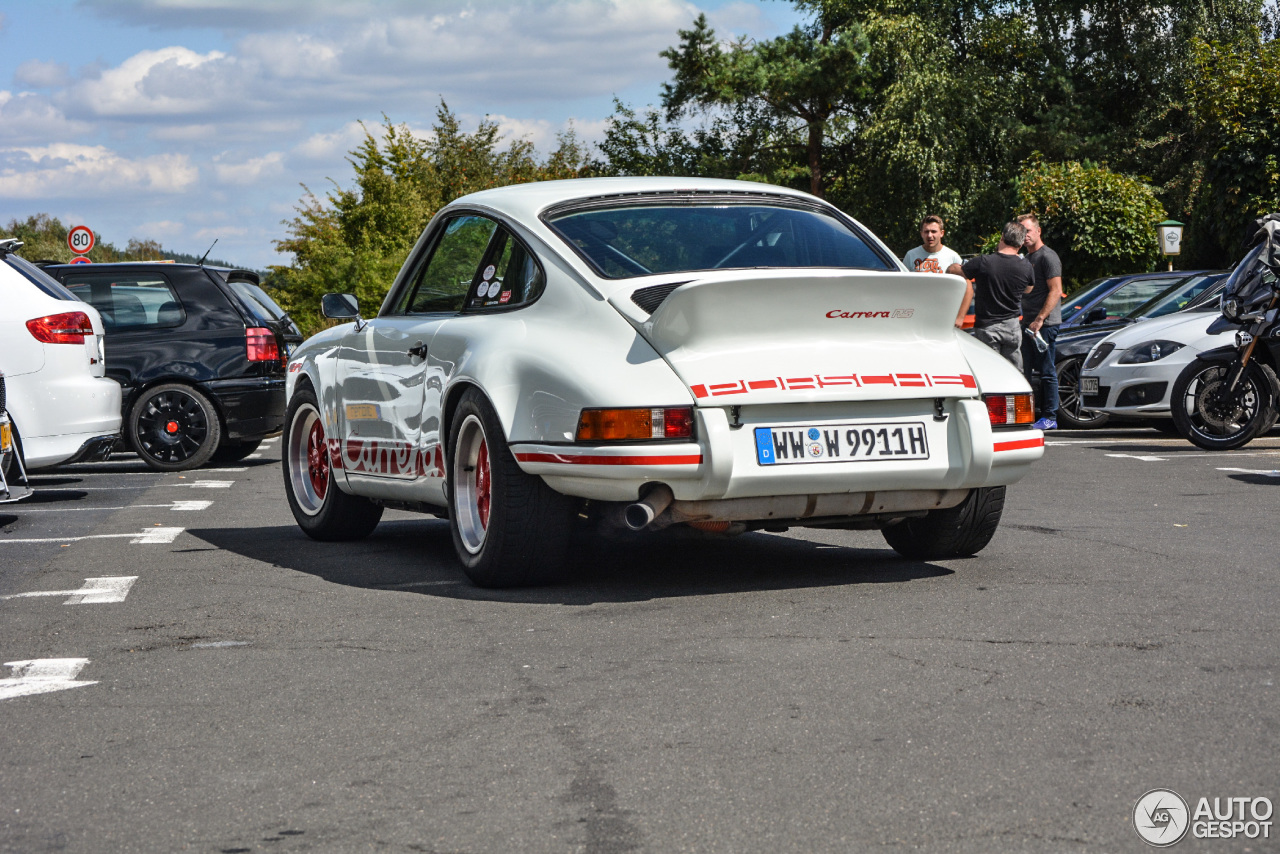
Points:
x=451 y=270
x=511 y=276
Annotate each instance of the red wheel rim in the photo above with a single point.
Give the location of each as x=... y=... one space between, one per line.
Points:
x=483 y=488
x=317 y=459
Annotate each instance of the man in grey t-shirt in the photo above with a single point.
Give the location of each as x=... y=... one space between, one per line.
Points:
x=1042 y=313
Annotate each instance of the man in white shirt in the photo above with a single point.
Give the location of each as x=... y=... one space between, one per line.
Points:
x=933 y=257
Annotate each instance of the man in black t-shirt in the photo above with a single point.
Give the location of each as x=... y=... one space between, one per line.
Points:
x=999 y=281
x=1042 y=312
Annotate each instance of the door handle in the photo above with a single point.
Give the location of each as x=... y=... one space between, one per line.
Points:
x=418 y=350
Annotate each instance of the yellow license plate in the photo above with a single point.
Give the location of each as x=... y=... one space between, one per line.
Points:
x=6 y=438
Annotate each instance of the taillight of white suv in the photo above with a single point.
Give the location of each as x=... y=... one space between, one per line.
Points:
x=70 y=327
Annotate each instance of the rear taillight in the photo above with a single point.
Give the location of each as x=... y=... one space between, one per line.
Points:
x=612 y=425
x=1008 y=410
x=261 y=345
x=67 y=328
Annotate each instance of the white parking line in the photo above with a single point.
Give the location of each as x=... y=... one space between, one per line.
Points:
x=172 y=505
x=41 y=676
x=94 y=591
x=147 y=536
x=1143 y=457
x=218 y=471
x=208 y=484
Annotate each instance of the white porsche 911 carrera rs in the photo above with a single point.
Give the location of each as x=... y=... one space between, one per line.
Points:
x=649 y=352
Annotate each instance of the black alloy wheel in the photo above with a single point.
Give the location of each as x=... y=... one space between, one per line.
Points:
x=174 y=427
x=1071 y=411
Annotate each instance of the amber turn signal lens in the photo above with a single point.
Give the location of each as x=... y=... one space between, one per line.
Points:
x=614 y=425
x=1007 y=410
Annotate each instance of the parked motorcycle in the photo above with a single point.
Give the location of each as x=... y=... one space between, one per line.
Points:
x=1230 y=395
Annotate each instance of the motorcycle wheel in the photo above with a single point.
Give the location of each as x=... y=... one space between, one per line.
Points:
x=1212 y=418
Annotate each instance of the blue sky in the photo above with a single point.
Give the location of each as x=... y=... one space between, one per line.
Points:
x=186 y=120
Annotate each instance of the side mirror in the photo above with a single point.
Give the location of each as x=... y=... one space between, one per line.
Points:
x=1094 y=314
x=340 y=306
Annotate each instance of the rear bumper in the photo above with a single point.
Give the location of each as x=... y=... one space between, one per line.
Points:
x=250 y=408
x=723 y=465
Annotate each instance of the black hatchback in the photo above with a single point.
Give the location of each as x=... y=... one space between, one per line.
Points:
x=200 y=354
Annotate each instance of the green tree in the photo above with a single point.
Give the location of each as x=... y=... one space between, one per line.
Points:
x=1099 y=222
x=44 y=238
x=1234 y=143
x=356 y=238
x=812 y=75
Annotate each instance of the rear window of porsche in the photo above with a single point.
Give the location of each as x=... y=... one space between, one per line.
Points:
x=650 y=238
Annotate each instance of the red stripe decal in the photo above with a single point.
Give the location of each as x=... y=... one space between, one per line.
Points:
x=590 y=460
x=885 y=380
x=699 y=391
x=969 y=381
x=754 y=384
x=1021 y=443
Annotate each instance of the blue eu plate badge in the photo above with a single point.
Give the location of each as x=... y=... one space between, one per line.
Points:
x=764 y=446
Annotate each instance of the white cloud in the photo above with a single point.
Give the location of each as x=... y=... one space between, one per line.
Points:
x=183 y=133
x=172 y=81
x=37 y=74
x=220 y=232
x=160 y=228
x=249 y=171
x=29 y=118
x=329 y=146
x=78 y=171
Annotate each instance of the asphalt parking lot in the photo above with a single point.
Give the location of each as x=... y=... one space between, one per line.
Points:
x=223 y=684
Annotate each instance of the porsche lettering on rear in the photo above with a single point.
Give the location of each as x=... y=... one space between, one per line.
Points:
x=646 y=353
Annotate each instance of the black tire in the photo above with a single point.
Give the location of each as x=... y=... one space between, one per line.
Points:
x=1209 y=419
x=235 y=450
x=959 y=531
x=173 y=427
x=509 y=528
x=323 y=511
x=1070 y=402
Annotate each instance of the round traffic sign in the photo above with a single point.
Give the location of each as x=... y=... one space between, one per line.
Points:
x=80 y=239
x=80 y=259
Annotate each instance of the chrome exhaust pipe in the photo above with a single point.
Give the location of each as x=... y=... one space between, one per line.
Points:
x=639 y=515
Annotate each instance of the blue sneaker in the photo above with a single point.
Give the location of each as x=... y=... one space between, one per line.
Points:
x=1046 y=424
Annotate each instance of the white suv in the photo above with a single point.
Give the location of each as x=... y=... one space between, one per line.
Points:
x=62 y=407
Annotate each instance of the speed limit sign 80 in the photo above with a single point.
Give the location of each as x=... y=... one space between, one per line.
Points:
x=80 y=239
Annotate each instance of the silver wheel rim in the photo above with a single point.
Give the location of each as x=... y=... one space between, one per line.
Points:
x=468 y=488
x=304 y=420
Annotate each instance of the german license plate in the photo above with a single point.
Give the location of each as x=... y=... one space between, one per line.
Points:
x=841 y=443
x=1088 y=385
x=6 y=438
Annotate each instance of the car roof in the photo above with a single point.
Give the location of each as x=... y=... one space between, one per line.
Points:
x=525 y=201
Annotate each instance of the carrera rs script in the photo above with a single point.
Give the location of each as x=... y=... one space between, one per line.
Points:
x=868 y=315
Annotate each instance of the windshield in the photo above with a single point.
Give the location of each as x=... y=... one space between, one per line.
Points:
x=1071 y=305
x=1248 y=276
x=257 y=300
x=1179 y=297
x=656 y=237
